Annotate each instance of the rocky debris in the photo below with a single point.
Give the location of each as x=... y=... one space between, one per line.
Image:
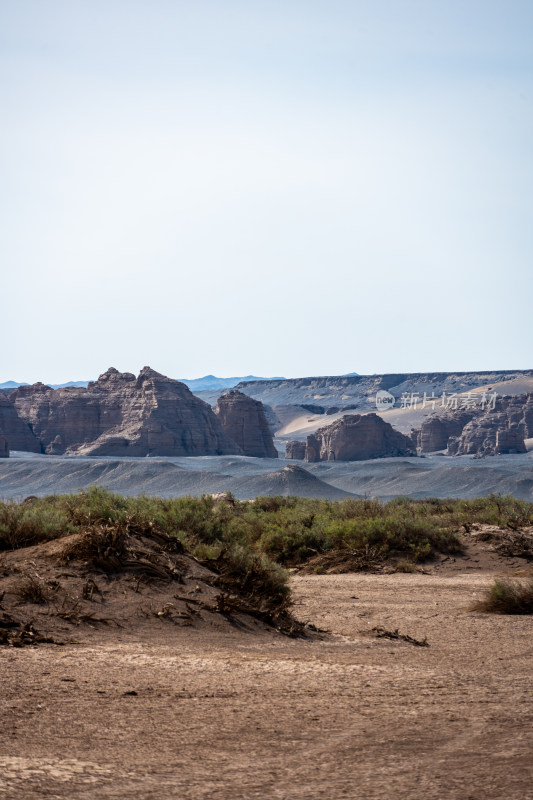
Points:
x=356 y=437
x=294 y=449
x=119 y=414
x=16 y=431
x=4 y=448
x=243 y=420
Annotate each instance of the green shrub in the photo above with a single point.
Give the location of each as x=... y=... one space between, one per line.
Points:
x=290 y=530
x=405 y=566
x=25 y=525
x=507 y=597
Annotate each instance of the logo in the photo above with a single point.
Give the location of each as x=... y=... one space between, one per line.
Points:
x=384 y=400
x=450 y=402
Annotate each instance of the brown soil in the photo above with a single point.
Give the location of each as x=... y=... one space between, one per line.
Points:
x=222 y=707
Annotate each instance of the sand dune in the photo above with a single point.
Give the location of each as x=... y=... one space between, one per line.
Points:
x=291 y=480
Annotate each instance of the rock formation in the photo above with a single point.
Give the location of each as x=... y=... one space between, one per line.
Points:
x=343 y=391
x=294 y=449
x=119 y=414
x=243 y=420
x=356 y=437
x=501 y=429
x=436 y=430
x=510 y=440
x=17 y=432
x=480 y=430
x=4 y=448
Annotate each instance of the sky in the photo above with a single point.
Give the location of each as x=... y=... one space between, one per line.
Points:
x=275 y=187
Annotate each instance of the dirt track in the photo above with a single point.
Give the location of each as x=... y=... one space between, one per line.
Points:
x=229 y=714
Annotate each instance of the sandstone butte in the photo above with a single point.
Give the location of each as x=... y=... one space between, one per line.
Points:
x=356 y=437
x=243 y=420
x=119 y=415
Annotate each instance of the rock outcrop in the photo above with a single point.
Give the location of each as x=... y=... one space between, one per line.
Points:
x=243 y=420
x=343 y=391
x=488 y=430
x=4 y=447
x=17 y=432
x=356 y=437
x=295 y=449
x=436 y=430
x=501 y=429
x=119 y=414
x=510 y=440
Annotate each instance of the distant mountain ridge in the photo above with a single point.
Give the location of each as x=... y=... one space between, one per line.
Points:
x=15 y=385
x=207 y=383
x=211 y=382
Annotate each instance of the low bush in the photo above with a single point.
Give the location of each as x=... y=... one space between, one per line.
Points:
x=25 y=525
x=289 y=530
x=507 y=597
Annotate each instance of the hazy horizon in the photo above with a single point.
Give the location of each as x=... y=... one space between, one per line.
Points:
x=269 y=377
x=279 y=188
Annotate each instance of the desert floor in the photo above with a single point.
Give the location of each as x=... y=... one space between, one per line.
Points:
x=227 y=713
x=432 y=476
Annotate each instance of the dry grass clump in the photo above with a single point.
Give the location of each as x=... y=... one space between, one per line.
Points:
x=405 y=566
x=102 y=547
x=253 y=584
x=507 y=597
x=364 y=559
x=32 y=590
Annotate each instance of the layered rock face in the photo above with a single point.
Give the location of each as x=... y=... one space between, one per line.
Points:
x=356 y=437
x=119 y=414
x=295 y=449
x=510 y=440
x=4 y=447
x=345 y=391
x=436 y=430
x=243 y=420
x=18 y=433
x=498 y=430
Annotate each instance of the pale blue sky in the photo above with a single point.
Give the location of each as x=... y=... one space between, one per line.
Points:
x=278 y=188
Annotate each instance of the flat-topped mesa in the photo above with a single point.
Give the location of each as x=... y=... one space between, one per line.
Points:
x=243 y=419
x=122 y=415
x=356 y=437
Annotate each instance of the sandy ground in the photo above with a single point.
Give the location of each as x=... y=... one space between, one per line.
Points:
x=226 y=714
